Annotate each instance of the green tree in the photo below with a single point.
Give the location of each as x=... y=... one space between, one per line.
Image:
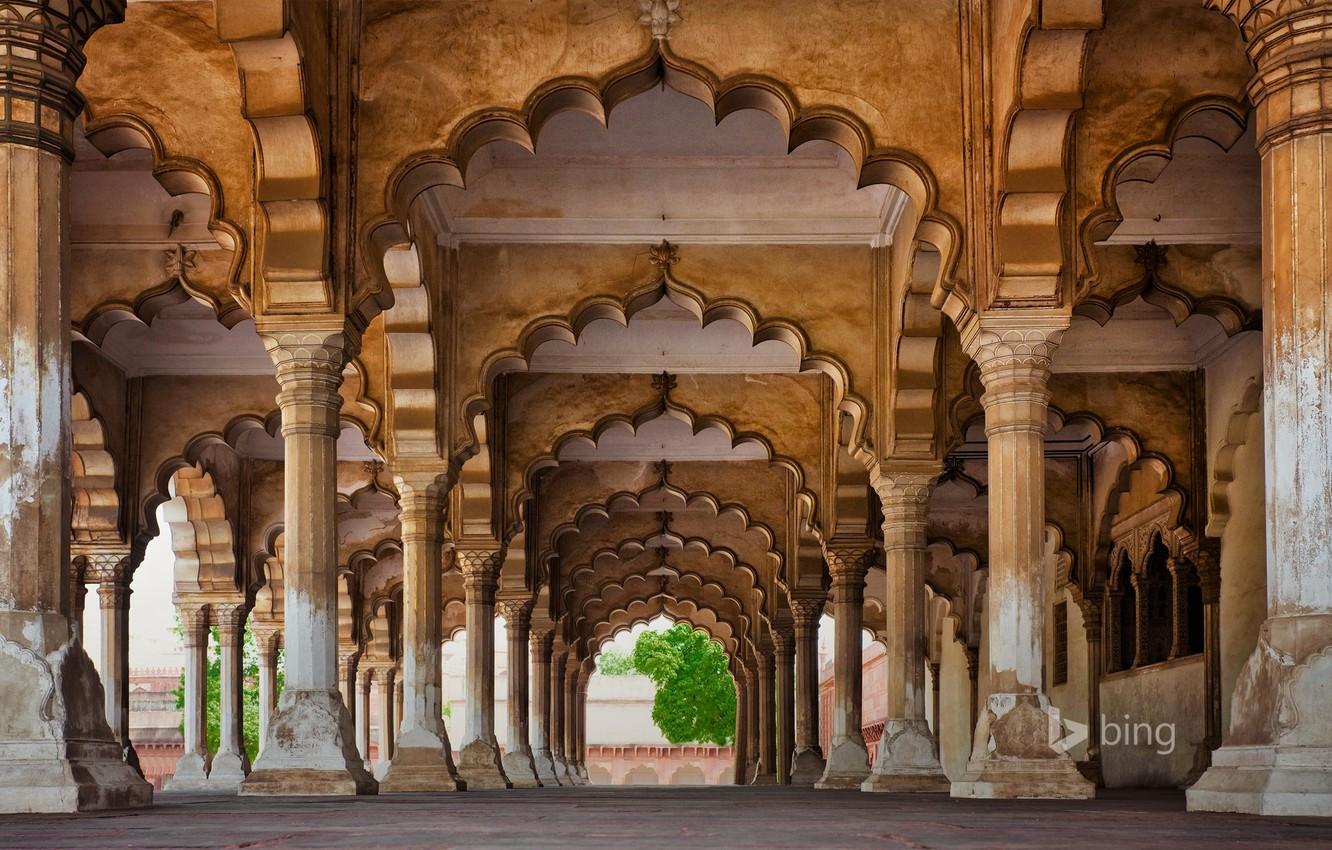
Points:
x=613 y=662
x=249 y=691
x=695 y=700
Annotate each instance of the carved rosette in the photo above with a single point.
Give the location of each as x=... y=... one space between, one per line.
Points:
x=1014 y=353
x=309 y=371
x=905 y=498
x=805 y=614
x=480 y=569
x=1290 y=43
x=41 y=51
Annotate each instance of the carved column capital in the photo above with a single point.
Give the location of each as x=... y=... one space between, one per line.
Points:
x=384 y=676
x=1290 y=44
x=517 y=614
x=309 y=363
x=1013 y=351
x=905 y=501
x=805 y=613
x=1091 y=616
x=783 y=646
x=1207 y=561
x=767 y=664
x=480 y=570
x=104 y=565
x=194 y=625
x=229 y=617
x=422 y=502
x=114 y=595
x=269 y=640
x=973 y=661
x=848 y=563
x=41 y=57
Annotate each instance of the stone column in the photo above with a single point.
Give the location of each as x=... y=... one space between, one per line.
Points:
x=347 y=663
x=539 y=727
x=1013 y=754
x=848 y=761
x=112 y=570
x=366 y=677
x=311 y=746
x=269 y=640
x=78 y=593
x=384 y=682
x=1277 y=756
x=479 y=760
x=397 y=711
x=517 y=760
x=766 y=774
x=1091 y=620
x=908 y=754
x=807 y=764
x=580 y=727
x=1142 y=590
x=423 y=760
x=741 y=726
x=784 y=685
x=72 y=763
x=192 y=767
x=230 y=763
x=973 y=680
x=752 y=723
x=1208 y=563
x=570 y=699
x=1179 y=607
x=557 y=717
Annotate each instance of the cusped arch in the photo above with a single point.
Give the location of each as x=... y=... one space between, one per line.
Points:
x=201 y=535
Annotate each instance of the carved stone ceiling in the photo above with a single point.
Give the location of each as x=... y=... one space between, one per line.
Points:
x=664 y=169
x=1141 y=334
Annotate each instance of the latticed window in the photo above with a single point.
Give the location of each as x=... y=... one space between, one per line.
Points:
x=1060 y=642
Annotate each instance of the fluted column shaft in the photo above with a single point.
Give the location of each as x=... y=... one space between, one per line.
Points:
x=848 y=759
x=192 y=767
x=384 y=682
x=365 y=680
x=112 y=571
x=312 y=742
x=807 y=763
x=230 y=763
x=269 y=640
x=1013 y=754
x=908 y=751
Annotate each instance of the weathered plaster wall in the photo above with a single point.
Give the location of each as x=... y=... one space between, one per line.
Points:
x=1170 y=693
x=1071 y=697
x=955 y=708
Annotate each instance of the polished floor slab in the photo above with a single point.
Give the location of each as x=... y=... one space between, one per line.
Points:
x=647 y=817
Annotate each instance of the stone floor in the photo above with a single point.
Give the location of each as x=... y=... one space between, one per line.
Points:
x=663 y=817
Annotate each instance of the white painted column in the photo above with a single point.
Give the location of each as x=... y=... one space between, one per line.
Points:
x=424 y=758
x=366 y=681
x=908 y=753
x=112 y=570
x=230 y=763
x=311 y=746
x=269 y=640
x=1276 y=757
x=517 y=761
x=848 y=759
x=1013 y=754
x=191 y=772
x=44 y=768
x=479 y=760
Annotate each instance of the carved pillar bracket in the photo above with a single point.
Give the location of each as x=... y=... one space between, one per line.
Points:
x=807 y=763
x=1014 y=753
x=907 y=757
x=311 y=748
x=848 y=759
x=479 y=760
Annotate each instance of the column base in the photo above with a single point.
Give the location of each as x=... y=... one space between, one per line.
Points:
x=807 y=767
x=227 y=772
x=561 y=771
x=57 y=753
x=422 y=761
x=1277 y=759
x=479 y=766
x=1015 y=754
x=191 y=773
x=545 y=768
x=583 y=778
x=906 y=760
x=847 y=767
x=1092 y=770
x=762 y=778
x=310 y=750
x=520 y=767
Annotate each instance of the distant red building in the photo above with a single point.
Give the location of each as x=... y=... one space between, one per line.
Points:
x=873 y=698
x=155 y=721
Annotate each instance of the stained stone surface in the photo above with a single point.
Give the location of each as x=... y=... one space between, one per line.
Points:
x=663 y=817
